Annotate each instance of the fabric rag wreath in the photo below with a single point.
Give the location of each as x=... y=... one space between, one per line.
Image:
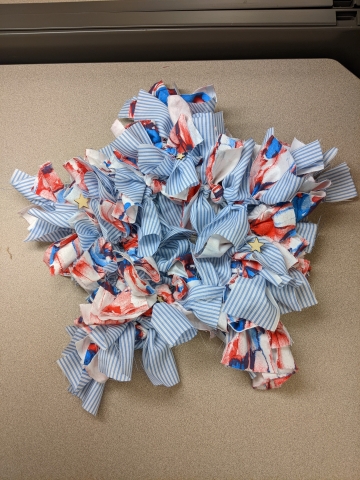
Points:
x=175 y=227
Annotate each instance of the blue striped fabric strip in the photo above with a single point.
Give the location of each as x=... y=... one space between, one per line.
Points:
x=92 y=184
x=51 y=237
x=165 y=279
x=75 y=334
x=149 y=233
x=109 y=231
x=80 y=393
x=42 y=231
x=105 y=336
x=164 y=169
x=286 y=298
x=269 y=132
x=172 y=325
x=158 y=360
x=183 y=176
x=248 y=300
x=68 y=350
x=91 y=396
x=305 y=295
x=329 y=155
x=116 y=362
x=59 y=217
x=219 y=123
x=272 y=278
x=195 y=157
x=173 y=233
x=23 y=184
x=342 y=186
x=270 y=258
x=71 y=367
x=205 y=301
x=129 y=183
x=294 y=299
x=205 y=124
x=124 y=112
x=71 y=330
x=308 y=231
x=206 y=269
x=284 y=190
x=214 y=271
x=236 y=184
x=153 y=160
x=308 y=158
x=87 y=231
x=203 y=107
x=79 y=334
x=126 y=143
x=274 y=269
x=297 y=279
x=171 y=212
x=108 y=150
x=106 y=185
x=167 y=253
x=231 y=224
x=201 y=213
x=98 y=187
x=138 y=131
x=83 y=382
x=149 y=107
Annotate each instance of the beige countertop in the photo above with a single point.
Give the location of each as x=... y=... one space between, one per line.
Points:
x=212 y=425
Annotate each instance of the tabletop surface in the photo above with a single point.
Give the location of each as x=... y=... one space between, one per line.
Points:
x=213 y=424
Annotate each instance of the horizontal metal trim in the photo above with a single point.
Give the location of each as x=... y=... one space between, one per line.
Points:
x=158 y=6
x=228 y=18
x=172 y=44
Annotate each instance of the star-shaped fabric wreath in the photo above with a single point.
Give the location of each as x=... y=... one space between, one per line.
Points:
x=176 y=227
